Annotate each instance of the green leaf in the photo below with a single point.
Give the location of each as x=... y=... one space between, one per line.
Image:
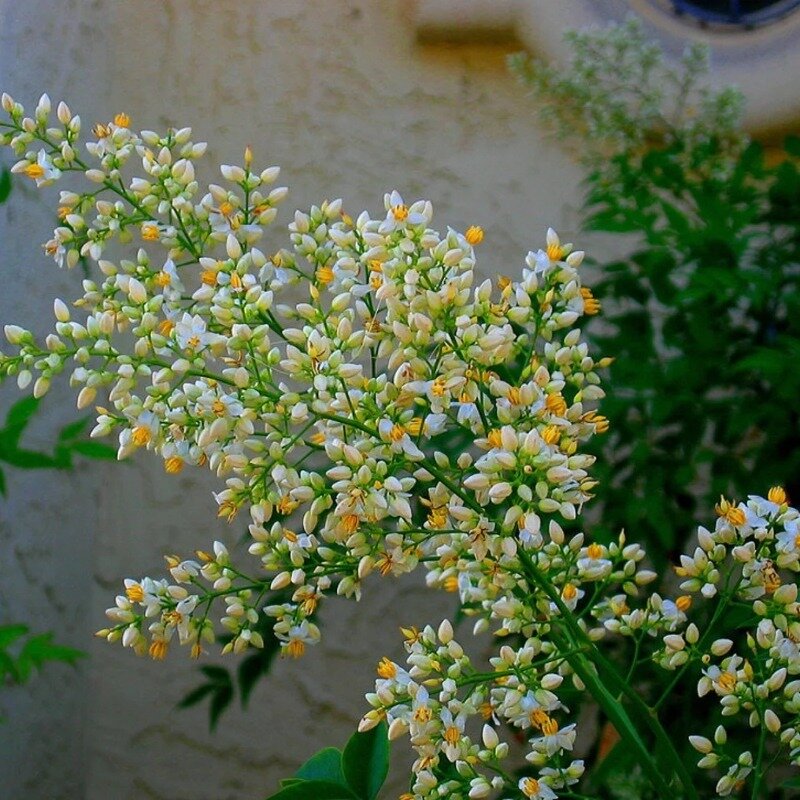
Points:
x=5 y=184
x=366 y=761
x=222 y=698
x=18 y=417
x=326 y=765
x=96 y=450
x=28 y=459
x=40 y=649
x=74 y=429
x=791 y=783
x=313 y=790
x=3 y=490
x=217 y=674
x=196 y=695
x=792 y=145
x=10 y=633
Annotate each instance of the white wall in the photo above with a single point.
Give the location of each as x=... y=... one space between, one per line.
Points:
x=340 y=94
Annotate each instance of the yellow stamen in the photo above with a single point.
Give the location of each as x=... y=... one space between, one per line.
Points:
x=122 y=120
x=295 y=648
x=414 y=426
x=101 y=131
x=173 y=465
x=495 y=438
x=437 y=517
x=165 y=327
x=150 y=232
x=777 y=494
x=450 y=583
x=423 y=714
x=158 y=649
x=438 y=388
x=684 y=602
x=594 y=550
x=727 y=681
x=141 y=435
x=400 y=212
x=397 y=433
x=554 y=252
x=569 y=592
x=34 y=171
x=731 y=513
x=325 y=275
x=530 y=787
x=591 y=305
x=550 y=728
x=556 y=404
x=514 y=396
x=411 y=634
x=598 y=420
x=474 y=235
x=351 y=523
x=228 y=510
x=285 y=506
x=135 y=593
x=452 y=735
x=551 y=434
x=386 y=669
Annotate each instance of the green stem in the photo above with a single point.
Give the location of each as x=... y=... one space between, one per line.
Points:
x=610 y=705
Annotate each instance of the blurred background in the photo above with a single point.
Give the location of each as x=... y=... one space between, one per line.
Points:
x=352 y=98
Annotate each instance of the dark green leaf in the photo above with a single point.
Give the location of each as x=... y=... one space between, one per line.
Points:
x=217 y=675
x=366 y=761
x=792 y=145
x=2 y=482
x=74 y=429
x=313 y=790
x=40 y=649
x=96 y=450
x=326 y=765
x=28 y=459
x=220 y=700
x=10 y=633
x=196 y=695
x=18 y=417
x=5 y=184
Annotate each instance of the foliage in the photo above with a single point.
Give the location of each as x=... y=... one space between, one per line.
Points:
x=221 y=685
x=356 y=773
x=326 y=417
x=71 y=441
x=702 y=314
x=22 y=652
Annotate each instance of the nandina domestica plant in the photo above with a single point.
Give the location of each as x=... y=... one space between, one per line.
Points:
x=374 y=407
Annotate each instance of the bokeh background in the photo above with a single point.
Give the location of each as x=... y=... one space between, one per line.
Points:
x=352 y=98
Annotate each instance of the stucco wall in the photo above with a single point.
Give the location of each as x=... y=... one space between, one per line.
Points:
x=340 y=94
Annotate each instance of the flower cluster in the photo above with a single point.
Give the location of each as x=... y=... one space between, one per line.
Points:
x=373 y=406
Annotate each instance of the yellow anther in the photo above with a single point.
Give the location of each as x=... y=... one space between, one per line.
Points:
x=474 y=235
x=386 y=669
